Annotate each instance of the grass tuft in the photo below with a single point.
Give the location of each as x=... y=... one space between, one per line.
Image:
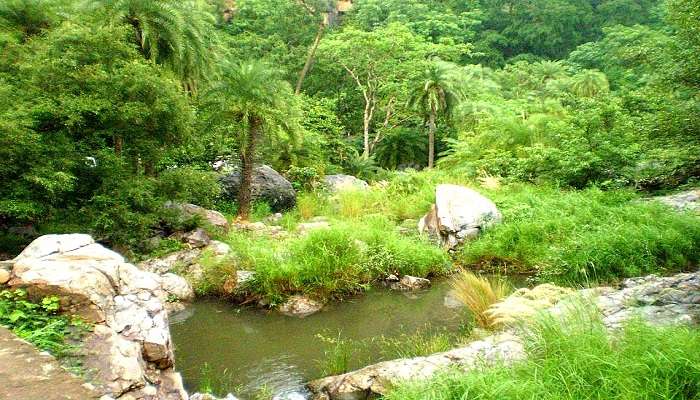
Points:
x=478 y=294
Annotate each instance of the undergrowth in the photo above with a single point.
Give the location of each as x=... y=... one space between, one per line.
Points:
x=40 y=324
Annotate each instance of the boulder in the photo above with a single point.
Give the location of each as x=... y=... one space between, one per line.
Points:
x=129 y=352
x=340 y=182
x=244 y=277
x=459 y=214
x=408 y=282
x=174 y=261
x=268 y=186
x=300 y=306
x=4 y=276
x=214 y=218
x=197 y=238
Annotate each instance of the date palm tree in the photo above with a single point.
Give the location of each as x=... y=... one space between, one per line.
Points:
x=175 y=33
x=439 y=88
x=590 y=83
x=252 y=101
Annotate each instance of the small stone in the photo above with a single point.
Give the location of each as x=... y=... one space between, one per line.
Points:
x=408 y=282
x=300 y=306
x=4 y=276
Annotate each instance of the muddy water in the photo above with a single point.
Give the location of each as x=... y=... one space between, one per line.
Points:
x=243 y=350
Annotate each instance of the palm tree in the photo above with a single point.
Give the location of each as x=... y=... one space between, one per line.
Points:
x=28 y=16
x=175 y=33
x=590 y=83
x=253 y=96
x=440 y=89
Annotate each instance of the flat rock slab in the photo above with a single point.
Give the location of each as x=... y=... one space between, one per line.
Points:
x=28 y=374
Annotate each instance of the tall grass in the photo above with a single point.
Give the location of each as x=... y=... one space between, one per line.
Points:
x=583 y=237
x=334 y=262
x=478 y=293
x=575 y=359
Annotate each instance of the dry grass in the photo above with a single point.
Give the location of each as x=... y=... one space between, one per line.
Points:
x=478 y=294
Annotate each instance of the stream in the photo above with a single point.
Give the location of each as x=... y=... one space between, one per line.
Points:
x=242 y=350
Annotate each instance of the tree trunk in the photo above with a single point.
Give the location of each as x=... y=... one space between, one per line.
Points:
x=366 y=120
x=431 y=138
x=310 y=57
x=247 y=162
x=118 y=145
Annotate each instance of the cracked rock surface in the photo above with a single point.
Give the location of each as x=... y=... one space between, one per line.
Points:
x=129 y=353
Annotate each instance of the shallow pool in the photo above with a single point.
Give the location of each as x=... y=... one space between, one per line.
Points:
x=246 y=350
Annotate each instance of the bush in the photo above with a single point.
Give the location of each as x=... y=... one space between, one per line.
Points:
x=188 y=185
x=303 y=178
x=575 y=359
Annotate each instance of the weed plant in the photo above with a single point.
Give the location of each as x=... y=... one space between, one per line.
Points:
x=39 y=323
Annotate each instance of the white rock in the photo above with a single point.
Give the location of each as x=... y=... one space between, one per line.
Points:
x=341 y=182
x=459 y=214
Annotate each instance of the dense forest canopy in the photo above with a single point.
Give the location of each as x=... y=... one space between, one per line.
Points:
x=108 y=108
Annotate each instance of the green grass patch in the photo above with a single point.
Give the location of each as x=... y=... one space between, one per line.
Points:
x=334 y=262
x=580 y=237
x=576 y=359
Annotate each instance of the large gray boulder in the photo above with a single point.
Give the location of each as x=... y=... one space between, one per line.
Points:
x=129 y=354
x=268 y=185
x=459 y=214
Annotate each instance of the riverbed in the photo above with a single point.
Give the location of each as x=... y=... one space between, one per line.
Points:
x=246 y=350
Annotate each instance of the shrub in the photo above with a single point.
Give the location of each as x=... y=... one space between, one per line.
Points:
x=303 y=178
x=575 y=359
x=188 y=185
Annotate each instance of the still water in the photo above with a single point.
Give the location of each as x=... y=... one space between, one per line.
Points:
x=246 y=349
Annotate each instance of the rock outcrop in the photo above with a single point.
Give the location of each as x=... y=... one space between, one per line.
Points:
x=459 y=214
x=684 y=201
x=339 y=182
x=378 y=379
x=27 y=373
x=129 y=353
x=268 y=185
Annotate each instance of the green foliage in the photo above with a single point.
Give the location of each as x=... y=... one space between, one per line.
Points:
x=580 y=237
x=39 y=323
x=303 y=178
x=189 y=185
x=575 y=358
